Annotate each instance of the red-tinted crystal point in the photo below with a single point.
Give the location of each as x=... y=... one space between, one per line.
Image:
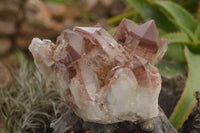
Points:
x=123 y=30
x=145 y=40
x=147 y=31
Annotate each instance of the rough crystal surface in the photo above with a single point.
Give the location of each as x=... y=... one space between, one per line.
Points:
x=105 y=79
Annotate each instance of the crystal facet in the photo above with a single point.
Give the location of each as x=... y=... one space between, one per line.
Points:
x=105 y=79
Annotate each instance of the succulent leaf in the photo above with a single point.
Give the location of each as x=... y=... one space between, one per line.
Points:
x=149 y=10
x=178 y=37
x=175 y=52
x=181 y=111
x=170 y=69
x=184 y=20
x=197 y=33
x=117 y=19
x=198 y=13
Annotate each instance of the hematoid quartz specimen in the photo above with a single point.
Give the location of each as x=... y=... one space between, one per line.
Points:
x=105 y=79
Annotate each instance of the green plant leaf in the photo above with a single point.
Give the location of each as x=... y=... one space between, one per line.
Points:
x=149 y=10
x=187 y=100
x=198 y=13
x=180 y=15
x=189 y=5
x=197 y=33
x=194 y=47
x=170 y=69
x=177 y=37
x=117 y=19
x=175 y=52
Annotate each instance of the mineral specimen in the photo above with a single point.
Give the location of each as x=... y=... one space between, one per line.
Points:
x=105 y=79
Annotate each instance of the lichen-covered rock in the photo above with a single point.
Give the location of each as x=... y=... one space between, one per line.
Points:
x=105 y=79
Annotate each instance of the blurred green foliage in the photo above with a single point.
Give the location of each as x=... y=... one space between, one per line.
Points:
x=189 y=5
x=117 y=19
x=182 y=30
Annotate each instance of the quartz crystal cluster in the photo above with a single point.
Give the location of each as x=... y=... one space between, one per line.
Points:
x=105 y=79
